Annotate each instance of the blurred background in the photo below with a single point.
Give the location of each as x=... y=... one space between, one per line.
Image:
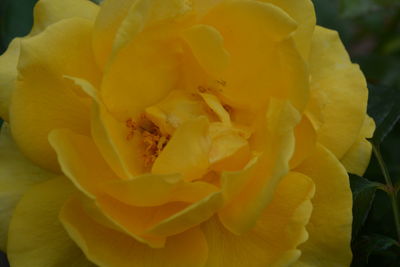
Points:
x=370 y=30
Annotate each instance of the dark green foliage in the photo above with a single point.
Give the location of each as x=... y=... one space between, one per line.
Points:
x=3 y=260
x=384 y=107
x=354 y=8
x=363 y=196
x=367 y=248
x=15 y=19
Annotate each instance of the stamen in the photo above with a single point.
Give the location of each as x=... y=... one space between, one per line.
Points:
x=221 y=82
x=130 y=124
x=153 y=140
x=228 y=108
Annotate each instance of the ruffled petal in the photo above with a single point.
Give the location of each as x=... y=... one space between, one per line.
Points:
x=303 y=12
x=81 y=161
x=111 y=14
x=248 y=192
x=145 y=14
x=338 y=92
x=206 y=44
x=8 y=76
x=119 y=21
x=47 y=12
x=151 y=225
x=330 y=224
x=17 y=174
x=356 y=159
x=306 y=140
x=107 y=247
x=268 y=41
x=110 y=136
x=278 y=232
x=36 y=236
x=155 y=190
x=145 y=70
x=43 y=99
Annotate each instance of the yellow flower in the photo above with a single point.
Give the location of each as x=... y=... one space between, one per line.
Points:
x=179 y=133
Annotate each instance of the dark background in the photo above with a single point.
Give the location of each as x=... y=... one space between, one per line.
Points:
x=370 y=30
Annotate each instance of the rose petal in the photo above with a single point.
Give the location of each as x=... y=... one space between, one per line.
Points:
x=17 y=174
x=330 y=224
x=268 y=41
x=151 y=225
x=155 y=190
x=206 y=44
x=186 y=152
x=119 y=21
x=43 y=99
x=107 y=247
x=306 y=140
x=8 y=76
x=278 y=232
x=356 y=159
x=36 y=236
x=302 y=11
x=81 y=161
x=248 y=192
x=47 y=12
x=338 y=92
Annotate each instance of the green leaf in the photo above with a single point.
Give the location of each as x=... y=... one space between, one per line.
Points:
x=3 y=260
x=363 y=196
x=369 y=245
x=354 y=8
x=15 y=19
x=384 y=108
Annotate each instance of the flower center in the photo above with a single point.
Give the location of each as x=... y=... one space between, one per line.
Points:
x=228 y=147
x=152 y=138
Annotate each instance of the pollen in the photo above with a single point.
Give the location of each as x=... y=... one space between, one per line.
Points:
x=130 y=124
x=152 y=139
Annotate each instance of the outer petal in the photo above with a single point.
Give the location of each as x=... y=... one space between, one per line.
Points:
x=107 y=247
x=338 y=92
x=8 y=75
x=17 y=174
x=248 y=192
x=267 y=41
x=303 y=12
x=330 y=224
x=43 y=99
x=357 y=158
x=274 y=239
x=36 y=236
x=151 y=225
x=47 y=12
x=81 y=161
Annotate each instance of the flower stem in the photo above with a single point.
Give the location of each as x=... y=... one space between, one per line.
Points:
x=391 y=190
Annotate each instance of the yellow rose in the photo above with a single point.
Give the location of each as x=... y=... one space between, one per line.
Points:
x=179 y=133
